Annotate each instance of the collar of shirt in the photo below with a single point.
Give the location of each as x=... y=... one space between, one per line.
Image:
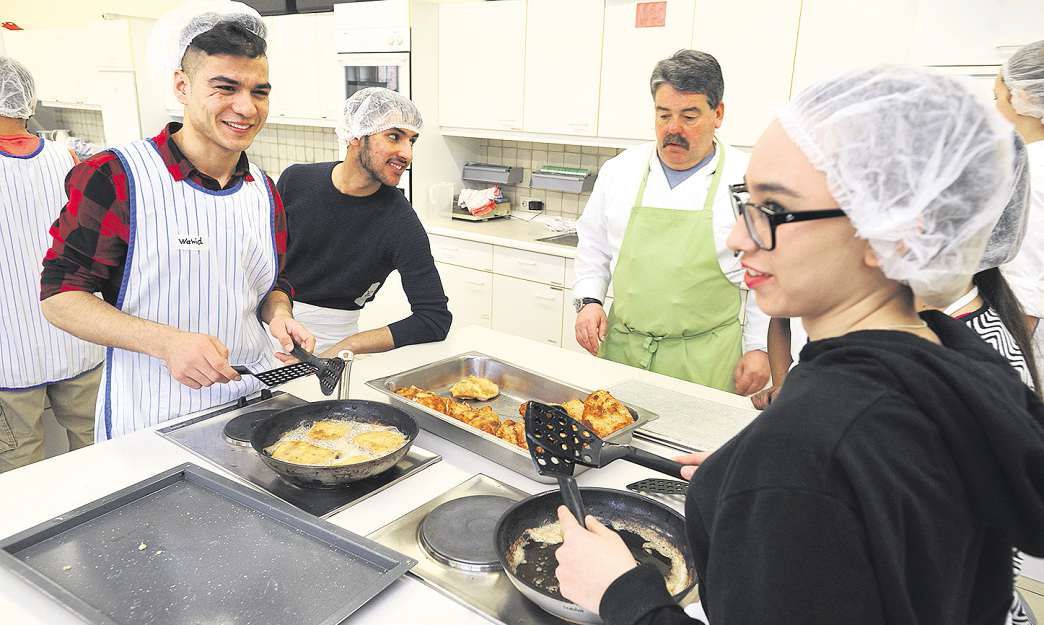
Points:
x=181 y=168
x=677 y=176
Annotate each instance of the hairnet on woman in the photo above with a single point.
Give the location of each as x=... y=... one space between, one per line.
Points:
x=904 y=458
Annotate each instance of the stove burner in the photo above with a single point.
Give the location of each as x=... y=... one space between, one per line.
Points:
x=459 y=533
x=238 y=430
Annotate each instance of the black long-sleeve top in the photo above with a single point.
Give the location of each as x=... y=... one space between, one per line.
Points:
x=341 y=248
x=887 y=483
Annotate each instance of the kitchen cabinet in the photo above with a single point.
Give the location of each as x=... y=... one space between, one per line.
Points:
x=569 y=322
x=839 y=35
x=973 y=32
x=330 y=72
x=54 y=56
x=563 y=56
x=462 y=252
x=480 y=64
x=292 y=67
x=628 y=57
x=470 y=294
x=532 y=266
x=528 y=309
x=757 y=59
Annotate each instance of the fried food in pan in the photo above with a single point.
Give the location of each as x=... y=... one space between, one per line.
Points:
x=329 y=430
x=300 y=452
x=380 y=441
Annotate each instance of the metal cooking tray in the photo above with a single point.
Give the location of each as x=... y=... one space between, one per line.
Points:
x=188 y=546
x=516 y=386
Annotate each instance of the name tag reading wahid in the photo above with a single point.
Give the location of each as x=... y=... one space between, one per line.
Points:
x=191 y=242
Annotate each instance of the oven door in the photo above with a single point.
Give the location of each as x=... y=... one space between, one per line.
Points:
x=390 y=70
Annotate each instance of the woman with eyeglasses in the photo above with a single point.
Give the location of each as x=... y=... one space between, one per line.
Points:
x=904 y=458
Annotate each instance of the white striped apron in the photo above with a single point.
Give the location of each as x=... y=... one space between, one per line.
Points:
x=200 y=261
x=32 y=192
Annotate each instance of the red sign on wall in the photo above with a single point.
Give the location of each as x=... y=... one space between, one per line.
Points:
x=650 y=14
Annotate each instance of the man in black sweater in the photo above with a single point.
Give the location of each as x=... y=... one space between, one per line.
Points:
x=349 y=228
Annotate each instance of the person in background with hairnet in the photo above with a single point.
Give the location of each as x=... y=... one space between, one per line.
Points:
x=904 y=458
x=40 y=362
x=1019 y=91
x=350 y=228
x=181 y=235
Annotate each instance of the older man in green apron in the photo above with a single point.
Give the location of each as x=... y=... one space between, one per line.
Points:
x=655 y=226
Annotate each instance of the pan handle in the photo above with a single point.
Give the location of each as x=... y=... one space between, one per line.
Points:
x=654 y=462
x=571 y=497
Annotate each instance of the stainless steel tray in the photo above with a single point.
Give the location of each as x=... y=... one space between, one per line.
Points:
x=517 y=385
x=189 y=546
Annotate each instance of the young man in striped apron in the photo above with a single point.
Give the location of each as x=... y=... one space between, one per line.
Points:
x=40 y=363
x=184 y=239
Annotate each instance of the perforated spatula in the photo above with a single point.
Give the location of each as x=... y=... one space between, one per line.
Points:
x=282 y=375
x=562 y=469
x=568 y=439
x=328 y=370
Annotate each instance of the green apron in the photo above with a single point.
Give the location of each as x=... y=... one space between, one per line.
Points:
x=675 y=312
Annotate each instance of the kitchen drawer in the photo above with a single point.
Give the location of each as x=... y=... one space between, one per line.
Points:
x=570 y=278
x=462 y=252
x=531 y=266
x=470 y=294
x=528 y=309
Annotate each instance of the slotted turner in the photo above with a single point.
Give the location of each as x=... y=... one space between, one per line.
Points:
x=658 y=486
x=328 y=370
x=282 y=375
x=562 y=469
x=566 y=438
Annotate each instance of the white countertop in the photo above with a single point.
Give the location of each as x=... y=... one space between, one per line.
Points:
x=505 y=231
x=41 y=491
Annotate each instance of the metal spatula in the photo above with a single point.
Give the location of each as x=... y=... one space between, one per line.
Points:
x=562 y=469
x=568 y=439
x=327 y=369
x=282 y=375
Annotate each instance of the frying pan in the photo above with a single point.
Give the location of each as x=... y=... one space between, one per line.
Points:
x=607 y=505
x=269 y=430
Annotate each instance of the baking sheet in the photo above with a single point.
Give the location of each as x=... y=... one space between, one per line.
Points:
x=517 y=385
x=188 y=546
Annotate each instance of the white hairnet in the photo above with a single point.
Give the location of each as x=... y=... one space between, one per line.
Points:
x=174 y=30
x=1006 y=238
x=17 y=90
x=921 y=168
x=376 y=109
x=1023 y=75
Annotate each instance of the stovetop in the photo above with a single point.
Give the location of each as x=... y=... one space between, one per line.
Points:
x=488 y=593
x=204 y=436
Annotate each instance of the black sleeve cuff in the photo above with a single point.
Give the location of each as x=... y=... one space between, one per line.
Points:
x=633 y=595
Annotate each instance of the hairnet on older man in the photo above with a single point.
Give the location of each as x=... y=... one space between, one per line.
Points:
x=1023 y=75
x=376 y=109
x=174 y=30
x=921 y=168
x=17 y=90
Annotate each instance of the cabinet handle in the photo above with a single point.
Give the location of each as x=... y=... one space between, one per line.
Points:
x=1005 y=46
x=475 y=283
x=529 y=263
x=451 y=249
x=549 y=298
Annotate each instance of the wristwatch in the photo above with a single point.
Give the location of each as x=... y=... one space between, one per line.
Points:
x=580 y=302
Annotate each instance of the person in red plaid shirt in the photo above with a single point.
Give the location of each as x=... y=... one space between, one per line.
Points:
x=183 y=238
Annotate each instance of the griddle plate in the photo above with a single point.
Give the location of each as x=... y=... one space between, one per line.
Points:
x=239 y=429
x=459 y=533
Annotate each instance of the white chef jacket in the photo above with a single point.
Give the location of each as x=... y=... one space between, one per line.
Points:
x=601 y=228
x=1025 y=273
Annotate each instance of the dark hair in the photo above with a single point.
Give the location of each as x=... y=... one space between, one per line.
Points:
x=995 y=290
x=692 y=71
x=229 y=38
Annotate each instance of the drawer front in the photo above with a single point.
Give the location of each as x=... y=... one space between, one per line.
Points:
x=528 y=309
x=570 y=278
x=461 y=252
x=470 y=294
x=531 y=266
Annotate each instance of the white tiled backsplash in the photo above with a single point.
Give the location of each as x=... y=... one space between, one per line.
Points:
x=83 y=123
x=278 y=146
x=532 y=156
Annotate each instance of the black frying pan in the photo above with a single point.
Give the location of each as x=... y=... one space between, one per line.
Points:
x=536 y=579
x=269 y=430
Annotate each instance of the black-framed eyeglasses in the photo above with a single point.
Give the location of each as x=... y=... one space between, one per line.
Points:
x=763 y=219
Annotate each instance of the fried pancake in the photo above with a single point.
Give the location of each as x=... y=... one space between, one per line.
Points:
x=486 y=420
x=459 y=411
x=409 y=392
x=575 y=409
x=329 y=430
x=605 y=414
x=350 y=460
x=474 y=387
x=300 y=452
x=513 y=432
x=433 y=401
x=380 y=441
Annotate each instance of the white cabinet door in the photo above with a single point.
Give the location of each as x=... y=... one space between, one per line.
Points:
x=563 y=63
x=628 y=57
x=974 y=32
x=480 y=64
x=839 y=35
x=388 y=306
x=757 y=60
x=470 y=294
x=569 y=323
x=527 y=309
x=292 y=67
x=330 y=72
